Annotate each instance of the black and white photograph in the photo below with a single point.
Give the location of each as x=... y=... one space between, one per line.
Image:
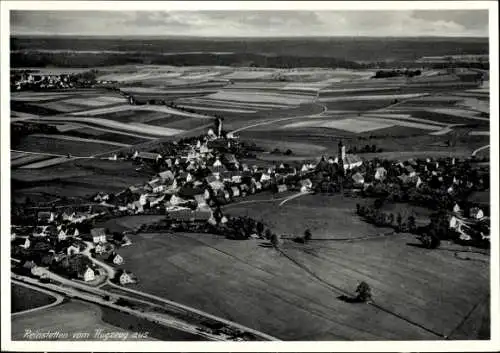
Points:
x=249 y=173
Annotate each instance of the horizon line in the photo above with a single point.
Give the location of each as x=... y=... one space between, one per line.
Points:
x=238 y=37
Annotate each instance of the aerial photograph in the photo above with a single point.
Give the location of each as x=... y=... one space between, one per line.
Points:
x=249 y=175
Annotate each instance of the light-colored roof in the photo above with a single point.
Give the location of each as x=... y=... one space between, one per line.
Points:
x=148 y=155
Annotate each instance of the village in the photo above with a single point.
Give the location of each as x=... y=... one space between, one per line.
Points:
x=191 y=187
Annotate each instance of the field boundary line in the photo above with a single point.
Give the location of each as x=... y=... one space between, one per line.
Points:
x=466 y=317
x=338 y=289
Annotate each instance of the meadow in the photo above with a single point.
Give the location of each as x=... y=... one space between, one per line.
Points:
x=294 y=294
x=23 y=298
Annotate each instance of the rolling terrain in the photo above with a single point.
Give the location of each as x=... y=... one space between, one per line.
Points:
x=294 y=96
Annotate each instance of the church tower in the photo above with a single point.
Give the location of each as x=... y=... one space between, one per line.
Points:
x=341 y=151
x=341 y=156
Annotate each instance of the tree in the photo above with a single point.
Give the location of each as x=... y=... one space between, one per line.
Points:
x=364 y=292
x=430 y=240
x=307 y=235
x=260 y=228
x=276 y=240
x=411 y=223
x=391 y=218
x=268 y=234
x=399 y=220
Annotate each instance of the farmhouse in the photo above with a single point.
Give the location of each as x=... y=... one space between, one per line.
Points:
x=235 y=191
x=147 y=156
x=22 y=242
x=127 y=278
x=282 y=188
x=45 y=217
x=87 y=275
x=476 y=213
x=358 y=179
x=305 y=185
x=380 y=173
x=115 y=259
x=62 y=235
x=98 y=235
x=101 y=196
x=166 y=175
x=72 y=250
x=41 y=231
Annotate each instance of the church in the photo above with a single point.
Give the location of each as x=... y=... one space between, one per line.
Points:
x=348 y=161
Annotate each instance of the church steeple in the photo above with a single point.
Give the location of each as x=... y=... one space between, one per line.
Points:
x=341 y=151
x=341 y=156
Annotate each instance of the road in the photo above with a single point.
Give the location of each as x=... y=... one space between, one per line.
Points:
x=479 y=149
x=67 y=288
x=267 y=122
x=294 y=197
x=58 y=299
x=46 y=154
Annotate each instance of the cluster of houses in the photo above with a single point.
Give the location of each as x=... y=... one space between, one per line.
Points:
x=201 y=177
x=26 y=80
x=57 y=241
x=447 y=176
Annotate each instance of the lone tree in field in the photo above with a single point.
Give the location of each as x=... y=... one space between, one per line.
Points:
x=364 y=293
x=411 y=223
x=430 y=240
x=307 y=235
x=276 y=240
x=399 y=220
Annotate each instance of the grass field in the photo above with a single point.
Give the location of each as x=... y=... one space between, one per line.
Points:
x=59 y=146
x=129 y=223
x=23 y=298
x=328 y=217
x=296 y=299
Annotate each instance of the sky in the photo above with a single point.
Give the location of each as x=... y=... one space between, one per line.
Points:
x=251 y=23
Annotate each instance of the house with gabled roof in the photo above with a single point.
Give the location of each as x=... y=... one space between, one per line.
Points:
x=166 y=175
x=305 y=185
x=147 y=156
x=72 y=250
x=87 y=274
x=98 y=235
x=235 y=191
x=46 y=217
x=62 y=235
x=115 y=258
x=22 y=242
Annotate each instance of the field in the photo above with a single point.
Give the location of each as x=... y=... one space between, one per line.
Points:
x=74 y=146
x=294 y=295
x=328 y=217
x=75 y=178
x=23 y=298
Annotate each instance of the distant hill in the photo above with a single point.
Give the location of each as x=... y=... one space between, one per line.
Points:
x=272 y=52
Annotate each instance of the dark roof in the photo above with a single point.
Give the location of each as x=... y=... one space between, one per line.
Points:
x=97 y=231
